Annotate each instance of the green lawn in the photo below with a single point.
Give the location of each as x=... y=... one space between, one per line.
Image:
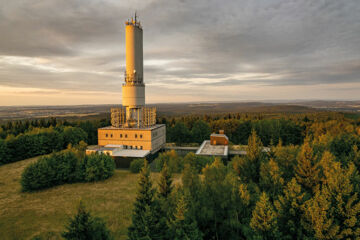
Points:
x=25 y=215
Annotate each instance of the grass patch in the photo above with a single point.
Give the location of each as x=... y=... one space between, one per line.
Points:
x=44 y=213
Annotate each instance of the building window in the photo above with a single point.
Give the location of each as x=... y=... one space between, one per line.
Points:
x=140 y=135
x=106 y=135
x=121 y=135
x=141 y=147
x=135 y=135
x=125 y=135
x=111 y=135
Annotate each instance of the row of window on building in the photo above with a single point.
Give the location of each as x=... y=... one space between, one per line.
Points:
x=121 y=135
x=133 y=147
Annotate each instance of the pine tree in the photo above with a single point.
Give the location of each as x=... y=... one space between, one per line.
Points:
x=143 y=225
x=333 y=213
x=83 y=226
x=289 y=208
x=307 y=169
x=254 y=148
x=248 y=167
x=270 y=178
x=317 y=220
x=182 y=226
x=165 y=183
x=264 y=219
x=163 y=204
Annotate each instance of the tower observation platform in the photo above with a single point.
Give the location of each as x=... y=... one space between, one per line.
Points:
x=133 y=131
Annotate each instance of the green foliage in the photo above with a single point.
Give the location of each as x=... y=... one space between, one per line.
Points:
x=183 y=226
x=264 y=219
x=270 y=178
x=200 y=131
x=65 y=167
x=197 y=162
x=98 y=167
x=248 y=167
x=172 y=159
x=39 y=141
x=136 y=165
x=163 y=205
x=165 y=182
x=289 y=208
x=3 y=152
x=307 y=168
x=83 y=226
x=143 y=225
x=73 y=135
x=179 y=133
x=342 y=145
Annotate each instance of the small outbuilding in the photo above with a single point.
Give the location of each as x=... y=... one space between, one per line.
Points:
x=219 y=138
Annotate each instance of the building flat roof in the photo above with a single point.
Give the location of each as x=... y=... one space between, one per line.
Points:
x=126 y=128
x=119 y=151
x=131 y=153
x=212 y=150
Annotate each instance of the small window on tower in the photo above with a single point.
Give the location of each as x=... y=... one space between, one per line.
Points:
x=140 y=135
x=121 y=135
x=111 y=135
x=106 y=135
x=125 y=135
x=135 y=135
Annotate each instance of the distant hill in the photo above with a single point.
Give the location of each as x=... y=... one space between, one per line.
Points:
x=96 y=111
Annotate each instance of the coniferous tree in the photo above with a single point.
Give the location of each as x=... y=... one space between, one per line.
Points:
x=248 y=167
x=183 y=226
x=83 y=226
x=317 y=220
x=333 y=213
x=289 y=208
x=163 y=203
x=307 y=169
x=264 y=219
x=165 y=183
x=200 y=131
x=143 y=225
x=271 y=180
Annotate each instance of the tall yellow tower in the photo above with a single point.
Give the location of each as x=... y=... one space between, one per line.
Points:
x=133 y=131
x=133 y=90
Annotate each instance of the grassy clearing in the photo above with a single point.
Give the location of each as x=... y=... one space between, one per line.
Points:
x=25 y=215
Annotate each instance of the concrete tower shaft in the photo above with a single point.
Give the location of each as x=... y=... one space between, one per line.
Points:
x=134 y=52
x=133 y=89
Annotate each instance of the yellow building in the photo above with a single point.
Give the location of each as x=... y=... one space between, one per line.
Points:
x=151 y=138
x=133 y=131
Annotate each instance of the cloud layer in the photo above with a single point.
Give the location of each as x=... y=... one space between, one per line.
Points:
x=202 y=50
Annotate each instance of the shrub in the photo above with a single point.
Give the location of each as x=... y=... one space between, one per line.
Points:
x=98 y=167
x=66 y=167
x=136 y=165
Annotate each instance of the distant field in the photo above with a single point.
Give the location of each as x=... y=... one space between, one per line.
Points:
x=25 y=215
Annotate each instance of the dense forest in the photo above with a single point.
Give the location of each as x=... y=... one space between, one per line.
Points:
x=305 y=187
x=23 y=139
x=293 y=192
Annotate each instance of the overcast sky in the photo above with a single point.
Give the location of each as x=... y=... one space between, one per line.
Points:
x=55 y=52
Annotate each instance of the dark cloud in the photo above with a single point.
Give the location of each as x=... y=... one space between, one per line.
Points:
x=191 y=43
